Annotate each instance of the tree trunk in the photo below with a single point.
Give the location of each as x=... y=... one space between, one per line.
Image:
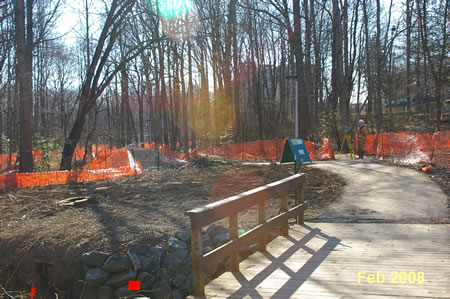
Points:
x=408 y=53
x=24 y=78
x=74 y=135
x=193 y=108
x=378 y=103
x=369 y=78
x=297 y=46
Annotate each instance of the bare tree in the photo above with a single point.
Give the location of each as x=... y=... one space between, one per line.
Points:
x=437 y=54
x=98 y=70
x=24 y=51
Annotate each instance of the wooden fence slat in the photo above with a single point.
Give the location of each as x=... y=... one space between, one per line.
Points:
x=301 y=215
x=284 y=208
x=233 y=231
x=227 y=207
x=262 y=220
x=249 y=237
x=230 y=207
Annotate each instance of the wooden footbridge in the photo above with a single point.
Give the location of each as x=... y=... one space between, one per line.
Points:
x=320 y=260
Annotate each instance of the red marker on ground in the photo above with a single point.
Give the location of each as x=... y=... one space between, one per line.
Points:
x=134 y=285
x=32 y=292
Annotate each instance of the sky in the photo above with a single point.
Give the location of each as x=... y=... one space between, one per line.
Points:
x=70 y=20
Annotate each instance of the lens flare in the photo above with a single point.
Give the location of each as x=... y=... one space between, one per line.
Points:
x=213 y=119
x=171 y=9
x=235 y=181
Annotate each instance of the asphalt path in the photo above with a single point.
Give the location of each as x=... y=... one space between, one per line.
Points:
x=382 y=193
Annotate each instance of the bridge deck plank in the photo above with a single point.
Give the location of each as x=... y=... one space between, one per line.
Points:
x=323 y=260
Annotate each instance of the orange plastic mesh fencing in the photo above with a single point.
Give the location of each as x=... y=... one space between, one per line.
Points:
x=441 y=149
x=107 y=158
x=7 y=162
x=325 y=152
x=266 y=150
x=415 y=148
x=120 y=162
x=311 y=150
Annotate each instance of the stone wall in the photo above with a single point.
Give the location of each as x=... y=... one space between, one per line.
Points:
x=162 y=272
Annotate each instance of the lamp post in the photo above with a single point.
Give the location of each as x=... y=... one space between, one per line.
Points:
x=294 y=77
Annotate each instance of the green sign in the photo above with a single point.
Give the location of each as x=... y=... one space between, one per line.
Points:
x=295 y=151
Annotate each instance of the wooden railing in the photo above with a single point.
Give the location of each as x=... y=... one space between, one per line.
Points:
x=230 y=207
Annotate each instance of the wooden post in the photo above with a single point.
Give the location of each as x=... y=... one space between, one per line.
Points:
x=284 y=208
x=261 y=220
x=301 y=215
x=233 y=231
x=196 y=247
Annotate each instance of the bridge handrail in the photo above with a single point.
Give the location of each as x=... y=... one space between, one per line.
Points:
x=230 y=207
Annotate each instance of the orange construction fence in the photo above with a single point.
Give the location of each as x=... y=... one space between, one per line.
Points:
x=414 y=148
x=118 y=163
x=266 y=150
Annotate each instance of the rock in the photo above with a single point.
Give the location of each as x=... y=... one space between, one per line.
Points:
x=184 y=236
x=177 y=295
x=94 y=258
x=221 y=239
x=174 y=265
x=162 y=290
x=157 y=254
x=148 y=265
x=187 y=286
x=134 y=258
x=214 y=229
x=146 y=280
x=176 y=257
x=207 y=241
x=105 y=292
x=151 y=261
x=176 y=260
x=178 y=281
x=87 y=268
x=123 y=292
x=96 y=277
x=116 y=264
x=207 y=249
x=186 y=269
x=163 y=274
x=139 y=249
x=176 y=244
x=120 y=279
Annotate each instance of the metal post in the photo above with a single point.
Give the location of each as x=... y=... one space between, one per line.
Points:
x=294 y=77
x=296 y=108
x=158 y=147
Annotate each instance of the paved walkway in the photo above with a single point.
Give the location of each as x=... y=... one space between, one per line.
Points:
x=383 y=193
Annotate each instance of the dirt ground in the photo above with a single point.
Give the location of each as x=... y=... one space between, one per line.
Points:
x=41 y=241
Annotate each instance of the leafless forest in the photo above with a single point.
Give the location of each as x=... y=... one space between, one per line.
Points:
x=214 y=71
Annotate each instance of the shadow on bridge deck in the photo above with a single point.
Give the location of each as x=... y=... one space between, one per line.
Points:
x=334 y=260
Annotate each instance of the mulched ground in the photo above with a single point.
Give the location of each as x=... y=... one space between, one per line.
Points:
x=41 y=241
